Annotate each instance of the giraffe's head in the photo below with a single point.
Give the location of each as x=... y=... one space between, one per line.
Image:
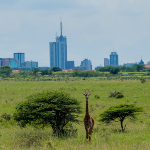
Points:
x=87 y=94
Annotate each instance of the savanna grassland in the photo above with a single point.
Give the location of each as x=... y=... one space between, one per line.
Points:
x=104 y=137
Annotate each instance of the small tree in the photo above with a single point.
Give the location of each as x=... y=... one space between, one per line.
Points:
x=44 y=72
x=35 y=71
x=55 y=69
x=5 y=70
x=114 y=70
x=120 y=112
x=51 y=108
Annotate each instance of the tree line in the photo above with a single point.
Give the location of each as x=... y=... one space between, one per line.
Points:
x=5 y=71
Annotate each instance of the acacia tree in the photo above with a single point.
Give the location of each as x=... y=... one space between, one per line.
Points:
x=120 y=112
x=52 y=108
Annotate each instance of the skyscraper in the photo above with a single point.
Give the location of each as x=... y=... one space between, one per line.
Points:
x=106 y=62
x=114 y=59
x=20 y=57
x=58 y=51
x=86 y=64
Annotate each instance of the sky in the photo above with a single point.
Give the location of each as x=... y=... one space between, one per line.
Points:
x=94 y=29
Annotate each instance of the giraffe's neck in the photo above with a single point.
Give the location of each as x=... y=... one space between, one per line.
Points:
x=87 y=109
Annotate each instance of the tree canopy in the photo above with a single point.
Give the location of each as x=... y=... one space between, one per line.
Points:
x=54 y=108
x=55 y=69
x=114 y=70
x=5 y=70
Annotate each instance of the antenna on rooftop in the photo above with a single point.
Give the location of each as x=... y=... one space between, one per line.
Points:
x=56 y=34
x=60 y=26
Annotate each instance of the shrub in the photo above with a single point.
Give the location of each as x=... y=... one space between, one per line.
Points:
x=6 y=116
x=96 y=96
x=119 y=96
x=143 y=80
x=120 y=112
x=54 y=108
x=116 y=94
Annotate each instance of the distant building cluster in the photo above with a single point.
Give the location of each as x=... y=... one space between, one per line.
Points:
x=113 y=61
x=85 y=65
x=58 y=58
x=18 y=62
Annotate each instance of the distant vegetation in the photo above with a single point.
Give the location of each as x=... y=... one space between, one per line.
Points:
x=56 y=74
x=133 y=68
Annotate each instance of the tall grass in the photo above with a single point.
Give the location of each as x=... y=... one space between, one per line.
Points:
x=104 y=136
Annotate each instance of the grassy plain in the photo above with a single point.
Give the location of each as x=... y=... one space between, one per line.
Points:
x=104 y=137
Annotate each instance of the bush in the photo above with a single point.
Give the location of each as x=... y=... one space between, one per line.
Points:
x=52 y=108
x=96 y=96
x=6 y=116
x=143 y=80
x=116 y=94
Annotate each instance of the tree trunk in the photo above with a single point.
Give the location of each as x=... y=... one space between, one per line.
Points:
x=122 y=126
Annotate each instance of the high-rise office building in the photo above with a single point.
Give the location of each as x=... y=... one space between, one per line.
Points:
x=106 y=62
x=114 y=59
x=58 y=51
x=69 y=65
x=86 y=65
x=11 y=62
x=20 y=57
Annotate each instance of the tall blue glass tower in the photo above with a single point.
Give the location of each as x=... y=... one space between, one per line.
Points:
x=114 y=59
x=58 y=51
x=20 y=57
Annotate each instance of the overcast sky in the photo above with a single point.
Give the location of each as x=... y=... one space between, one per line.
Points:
x=93 y=29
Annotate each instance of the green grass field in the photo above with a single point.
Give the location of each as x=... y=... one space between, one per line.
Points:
x=104 y=137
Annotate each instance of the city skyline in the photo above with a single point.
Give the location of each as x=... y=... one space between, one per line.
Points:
x=93 y=29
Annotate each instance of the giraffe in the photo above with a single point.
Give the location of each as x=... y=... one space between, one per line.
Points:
x=88 y=119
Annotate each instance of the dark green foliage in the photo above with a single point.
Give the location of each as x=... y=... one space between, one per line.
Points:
x=55 y=69
x=143 y=80
x=50 y=108
x=46 y=72
x=119 y=96
x=138 y=67
x=5 y=70
x=116 y=94
x=120 y=112
x=114 y=70
x=96 y=96
x=105 y=69
x=133 y=68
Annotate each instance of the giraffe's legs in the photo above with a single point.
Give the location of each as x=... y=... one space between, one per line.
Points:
x=87 y=135
x=90 y=133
